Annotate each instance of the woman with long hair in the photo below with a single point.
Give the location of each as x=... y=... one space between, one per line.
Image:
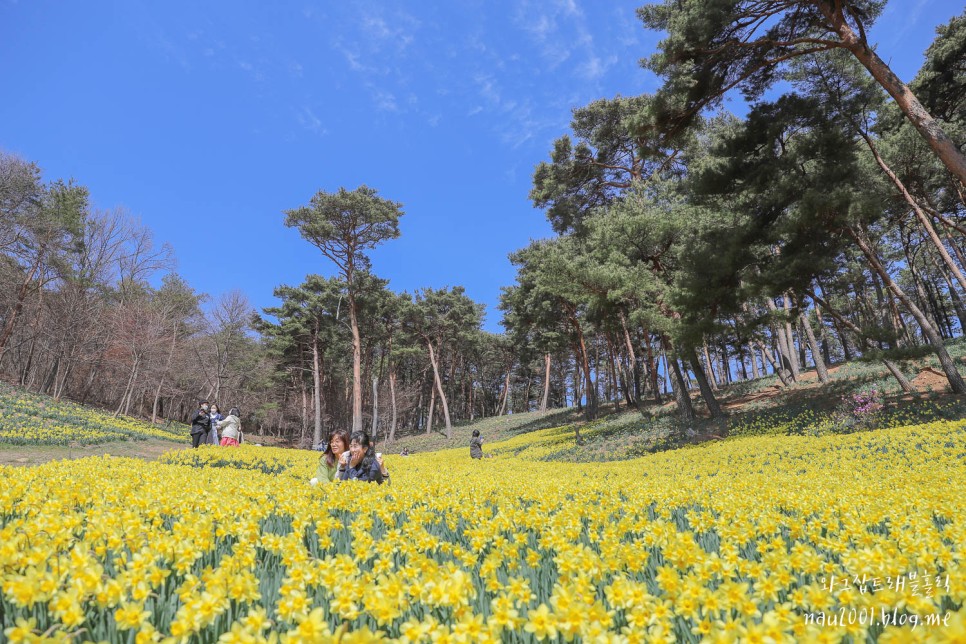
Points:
x=329 y=461
x=361 y=463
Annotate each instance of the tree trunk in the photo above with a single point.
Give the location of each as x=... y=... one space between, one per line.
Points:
x=128 y=387
x=685 y=408
x=893 y=369
x=652 y=367
x=439 y=386
x=846 y=351
x=392 y=404
x=375 y=407
x=681 y=395
x=710 y=371
x=924 y=220
x=792 y=355
x=591 y=408
x=546 y=382
x=820 y=367
x=939 y=306
x=826 y=354
x=932 y=336
x=899 y=376
x=615 y=388
x=305 y=408
x=632 y=357
x=784 y=342
x=706 y=392
x=925 y=302
x=473 y=400
x=726 y=362
x=960 y=308
x=922 y=120
x=952 y=244
x=578 y=395
x=316 y=390
x=526 y=394
x=779 y=370
x=167 y=366
x=667 y=371
x=953 y=294
x=18 y=305
x=60 y=386
x=432 y=404
x=51 y=376
x=356 y=363
x=505 y=394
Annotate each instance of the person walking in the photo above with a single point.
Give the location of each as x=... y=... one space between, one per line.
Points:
x=216 y=417
x=200 y=424
x=230 y=426
x=476 y=445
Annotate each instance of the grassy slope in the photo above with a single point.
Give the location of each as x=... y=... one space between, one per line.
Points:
x=148 y=449
x=755 y=407
x=29 y=420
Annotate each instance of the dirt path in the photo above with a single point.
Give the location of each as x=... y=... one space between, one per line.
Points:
x=148 y=450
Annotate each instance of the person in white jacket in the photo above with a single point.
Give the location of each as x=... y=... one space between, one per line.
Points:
x=230 y=428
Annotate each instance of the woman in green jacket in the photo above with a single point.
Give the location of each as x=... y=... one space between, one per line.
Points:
x=329 y=461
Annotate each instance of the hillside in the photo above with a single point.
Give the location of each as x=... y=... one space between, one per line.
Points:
x=30 y=422
x=754 y=408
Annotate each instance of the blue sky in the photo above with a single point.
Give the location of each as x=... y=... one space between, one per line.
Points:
x=208 y=119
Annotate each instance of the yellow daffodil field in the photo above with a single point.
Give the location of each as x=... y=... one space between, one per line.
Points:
x=31 y=419
x=768 y=539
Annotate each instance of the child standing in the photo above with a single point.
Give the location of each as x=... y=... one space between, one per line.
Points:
x=231 y=433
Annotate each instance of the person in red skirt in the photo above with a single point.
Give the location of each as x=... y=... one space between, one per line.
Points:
x=230 y=428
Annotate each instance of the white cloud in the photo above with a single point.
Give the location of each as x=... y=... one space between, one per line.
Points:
x=172 y=51
x=595 y=67
x=385 y=101
x=354 y=59
x=308 y=120
x=487 y=88
x=910 y=17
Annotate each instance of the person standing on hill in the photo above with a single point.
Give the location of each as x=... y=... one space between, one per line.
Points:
x=200 y=424
x=216 y=417
x=230 y=427
x=476 y=445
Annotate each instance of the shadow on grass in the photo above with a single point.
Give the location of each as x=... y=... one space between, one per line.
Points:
x=804 y=408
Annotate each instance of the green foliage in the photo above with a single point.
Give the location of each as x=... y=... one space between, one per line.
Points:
x=606 y=160
x=941 y=83
x=343 y=225
x=712 y=46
